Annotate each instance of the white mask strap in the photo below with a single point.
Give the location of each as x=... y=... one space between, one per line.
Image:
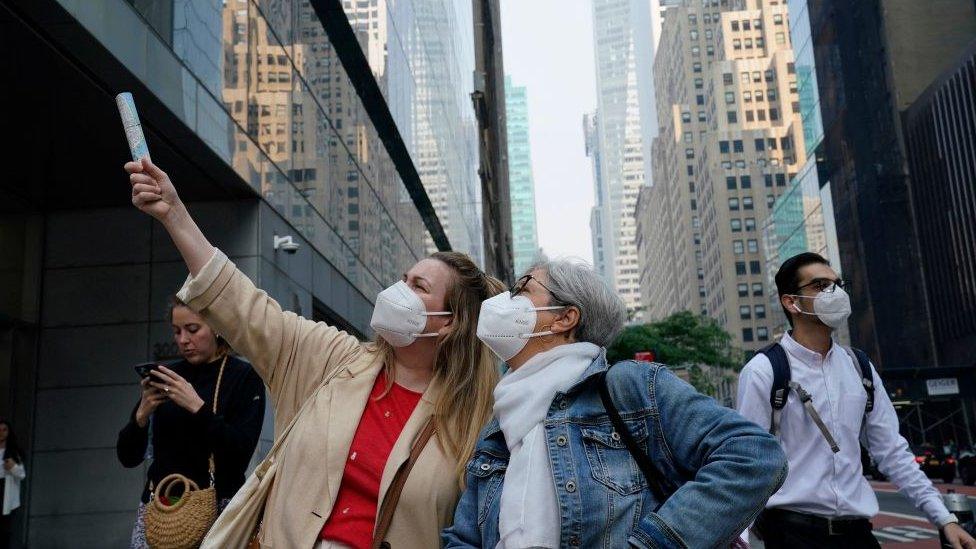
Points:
x=537 y=334
x=445 y=313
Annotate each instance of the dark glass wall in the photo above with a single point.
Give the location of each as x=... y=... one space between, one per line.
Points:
x=940 y=135
x=863 y=160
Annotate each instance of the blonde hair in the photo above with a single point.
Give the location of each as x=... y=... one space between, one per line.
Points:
x=465 y=369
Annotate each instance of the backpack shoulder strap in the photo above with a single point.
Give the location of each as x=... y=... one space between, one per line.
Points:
x=863 y=365
x=780 y=390
x=655 y=480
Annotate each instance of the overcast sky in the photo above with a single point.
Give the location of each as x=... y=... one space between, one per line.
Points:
x=548 y=48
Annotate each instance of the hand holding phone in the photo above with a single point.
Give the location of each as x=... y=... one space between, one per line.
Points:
x=144 y=368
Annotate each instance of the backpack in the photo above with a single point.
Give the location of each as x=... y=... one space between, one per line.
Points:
x=782 y=384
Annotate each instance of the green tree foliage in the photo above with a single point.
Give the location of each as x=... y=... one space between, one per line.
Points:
x=682 y=340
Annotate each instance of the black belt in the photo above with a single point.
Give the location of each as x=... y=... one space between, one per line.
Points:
x=832 y=526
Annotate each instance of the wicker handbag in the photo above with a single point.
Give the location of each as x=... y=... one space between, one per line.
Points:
x=183 y=524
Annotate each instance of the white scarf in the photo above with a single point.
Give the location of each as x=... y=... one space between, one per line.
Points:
x=529 y=512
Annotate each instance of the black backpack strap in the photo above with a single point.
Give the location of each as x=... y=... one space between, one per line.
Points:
x=863 y=365
x=655 y=480
x=780 y=389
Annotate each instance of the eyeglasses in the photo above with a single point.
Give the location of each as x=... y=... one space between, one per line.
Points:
x=520 y=284
x=825 y=285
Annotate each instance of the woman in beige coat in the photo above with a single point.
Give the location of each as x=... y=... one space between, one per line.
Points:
x=341 y=455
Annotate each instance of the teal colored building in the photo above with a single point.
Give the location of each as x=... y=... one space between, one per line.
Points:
x=525 y=239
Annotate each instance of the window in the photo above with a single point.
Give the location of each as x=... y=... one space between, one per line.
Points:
x=748 y=43
x=732 y=117
x=696 y=51
x=740 y=267
x=744 y=77
x=736 y=225
x=753 y=244
x=780 y=180
x=699 y=83
x=701 y=116
x=694 y=204
x=778 y=18
x=693 y=34
x=774 y=114
x=757 y=24
x=768 y=177
x=760 y=311
x=741 y=164
x=723 y=147
x=696 y=67
x=700 y=100
x=688 y=137
x=750 y=117
x=745 y=312
x=737 y=146
x=691 y=186
x=795 y=106
x=760 y=43
x=771 y=94
x=756 y=76
x=754 y=267
x=761 y=114
x=757 y=289
x=686 y=116
x=691 y=171
x=750 y=223
x=689 y=153
x=727 y=78
x=771 y=143
x=786 y=143
x=737 y=44
x=738 y=248
x=747 y=335
x=730 y=183
x=733 y=202
x=759 y=95
x=760 y=145
x=735 y=25
x=701 y=291
x=747 y=96
x=791 y=68
x=708 y=32
x=727 y=165
x=746 y=182
x=692 y=18
x=762 y=332
x=743 y=290
x=747 y=25
x=761 y=162
x=729 y=98
x=770 y=200
x=747 y=202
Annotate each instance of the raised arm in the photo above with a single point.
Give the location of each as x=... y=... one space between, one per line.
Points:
x=290 y=353
x=154 y=194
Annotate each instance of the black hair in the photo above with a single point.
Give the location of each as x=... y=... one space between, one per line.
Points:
x=13 y=449
x=787 y=277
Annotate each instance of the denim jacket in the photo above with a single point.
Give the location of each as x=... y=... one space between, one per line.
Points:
x=723 y=466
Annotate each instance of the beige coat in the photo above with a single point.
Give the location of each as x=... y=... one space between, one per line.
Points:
x=294 y=355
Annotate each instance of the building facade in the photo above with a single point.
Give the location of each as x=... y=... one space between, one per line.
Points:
x=873 y=59
x=730 y=139
x=272 y=120
x=940 y=135
x=525 y=239
x=623 y=55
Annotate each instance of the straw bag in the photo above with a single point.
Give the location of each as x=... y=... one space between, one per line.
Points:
x=183 y=524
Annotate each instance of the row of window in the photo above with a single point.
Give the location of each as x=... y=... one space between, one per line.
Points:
x=760 y=144
x=746 y=312
x=736 y=224
x=757 y=289
x=754 y=268
x=761 y=162
x=739 y=247
x=762 y=334
x=752 y=116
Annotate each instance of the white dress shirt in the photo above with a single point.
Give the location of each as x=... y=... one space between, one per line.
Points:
x=820 y=481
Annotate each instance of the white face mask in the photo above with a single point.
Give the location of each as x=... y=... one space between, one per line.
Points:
x=832 y=308
x=400 y=316
x=505 y=323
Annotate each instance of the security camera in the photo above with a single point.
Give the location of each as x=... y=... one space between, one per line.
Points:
x=286 y=244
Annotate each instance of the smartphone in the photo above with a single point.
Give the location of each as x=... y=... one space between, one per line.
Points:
x=132 y=126
x=144 y=368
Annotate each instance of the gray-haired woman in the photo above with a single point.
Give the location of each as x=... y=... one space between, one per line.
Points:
x=553 y=470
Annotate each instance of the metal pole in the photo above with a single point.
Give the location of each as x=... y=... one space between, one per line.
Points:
x=965 y=417
x=921 y=422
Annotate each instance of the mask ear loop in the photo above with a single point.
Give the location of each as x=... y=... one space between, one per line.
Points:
x=549 y=334
x=432 y=334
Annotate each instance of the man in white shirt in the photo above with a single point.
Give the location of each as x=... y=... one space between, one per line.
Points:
x=826 y=501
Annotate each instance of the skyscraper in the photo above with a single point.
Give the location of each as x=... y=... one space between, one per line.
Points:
x=730 y=139
x=873 y=59
x=525 y=240
x=623 y=54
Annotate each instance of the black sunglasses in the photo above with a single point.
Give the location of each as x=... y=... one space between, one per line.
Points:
x=520 y=284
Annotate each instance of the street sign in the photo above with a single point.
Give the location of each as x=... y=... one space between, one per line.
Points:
x=942 y=386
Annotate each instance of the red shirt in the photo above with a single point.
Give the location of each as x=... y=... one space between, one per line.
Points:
x=354 y=513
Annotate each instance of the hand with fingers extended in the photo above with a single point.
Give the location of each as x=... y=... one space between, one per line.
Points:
x=177 y=389
x=152 y=191
x=151 y=399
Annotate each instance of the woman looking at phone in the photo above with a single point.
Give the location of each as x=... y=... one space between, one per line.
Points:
x=184 y=429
